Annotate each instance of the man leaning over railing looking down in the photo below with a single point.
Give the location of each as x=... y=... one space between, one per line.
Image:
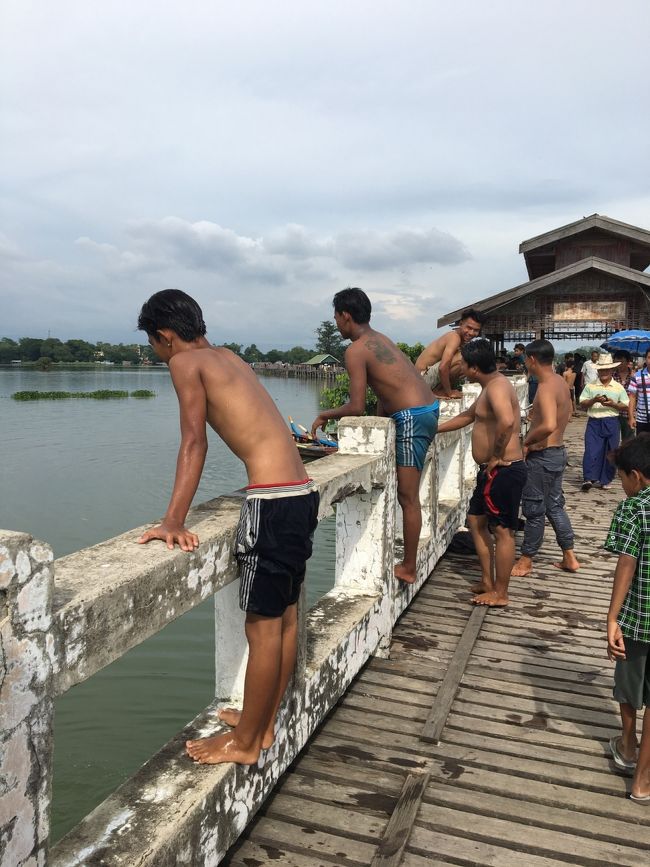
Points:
x=277 y=521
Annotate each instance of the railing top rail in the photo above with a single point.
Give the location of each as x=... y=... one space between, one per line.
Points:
x=112 y=596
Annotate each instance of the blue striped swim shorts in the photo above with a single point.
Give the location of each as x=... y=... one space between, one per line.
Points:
x=415 y=428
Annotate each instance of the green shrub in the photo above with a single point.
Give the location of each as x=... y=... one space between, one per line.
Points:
x=412 y=352
x=339 y=393
x=143 y=392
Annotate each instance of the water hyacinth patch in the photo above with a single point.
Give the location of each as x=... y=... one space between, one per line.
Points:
x=100 y=394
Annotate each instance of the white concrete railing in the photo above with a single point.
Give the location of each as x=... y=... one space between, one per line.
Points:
x=108 y=598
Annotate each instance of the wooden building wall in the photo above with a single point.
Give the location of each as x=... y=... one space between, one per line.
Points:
x=532 y=316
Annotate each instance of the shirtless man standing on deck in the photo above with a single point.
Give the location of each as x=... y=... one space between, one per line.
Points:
x=277 y=521
x=373 y=359
x=440 y=363
x=546 y=460
x=497 y=450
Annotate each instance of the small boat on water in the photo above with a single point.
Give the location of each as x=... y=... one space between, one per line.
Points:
x=312 y=451
x=309 y=448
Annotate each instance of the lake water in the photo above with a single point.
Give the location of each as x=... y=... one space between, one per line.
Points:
x=75 y=472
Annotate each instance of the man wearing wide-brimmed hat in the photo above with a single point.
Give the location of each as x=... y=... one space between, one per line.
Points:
x=603 y=401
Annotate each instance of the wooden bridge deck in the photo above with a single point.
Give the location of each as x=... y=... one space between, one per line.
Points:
x=521 y=775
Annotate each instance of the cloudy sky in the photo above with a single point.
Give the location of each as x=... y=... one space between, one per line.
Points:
x=262 y=155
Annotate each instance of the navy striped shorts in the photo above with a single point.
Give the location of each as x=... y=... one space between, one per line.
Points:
x=274 y=541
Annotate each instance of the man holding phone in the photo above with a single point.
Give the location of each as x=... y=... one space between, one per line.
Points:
x=603 y=401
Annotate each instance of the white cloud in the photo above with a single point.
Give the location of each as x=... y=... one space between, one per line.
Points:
x=285 y=254
x=333 y=153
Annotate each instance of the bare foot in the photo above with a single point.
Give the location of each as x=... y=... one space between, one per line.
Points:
x=492 y=599
x=231 y=717
x=221 y=748
x=403 y=573
x=522 y=567
x=482 y=587
x=569 y=562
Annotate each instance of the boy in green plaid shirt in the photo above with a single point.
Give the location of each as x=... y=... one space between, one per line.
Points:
x=628 y=619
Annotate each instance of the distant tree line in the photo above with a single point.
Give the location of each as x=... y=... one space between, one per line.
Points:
x=70 y=351
x=51 y=350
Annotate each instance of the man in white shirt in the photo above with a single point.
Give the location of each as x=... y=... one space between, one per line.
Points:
x=589 y=372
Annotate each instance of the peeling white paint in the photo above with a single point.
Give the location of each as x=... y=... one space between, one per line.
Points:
x=116 y=823
x=23 y=566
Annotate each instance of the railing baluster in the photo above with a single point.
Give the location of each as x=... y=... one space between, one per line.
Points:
x=26 y=705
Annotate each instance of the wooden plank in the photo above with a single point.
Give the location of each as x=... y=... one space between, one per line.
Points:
x=347 y=791
x=469 y=852
x=327 y=818
x=400 y=824
x=562 y=795
x=578 y=751
x=277 y=836
x=585 y=680
x=612 y=830
x=446 y=694
x=586 y=782
x=527 y=839
x=561 y=696
x=535 y=720
x=385 y=781
x=552 y=710
x=250 y=853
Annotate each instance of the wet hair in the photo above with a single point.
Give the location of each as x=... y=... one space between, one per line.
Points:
x=355 y=302
x=472 y=313
x=479 y=354
x=541 y=350
x=633 y=455
x=172 y=309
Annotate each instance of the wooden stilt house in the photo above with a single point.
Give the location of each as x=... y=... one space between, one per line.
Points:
x=586 y=282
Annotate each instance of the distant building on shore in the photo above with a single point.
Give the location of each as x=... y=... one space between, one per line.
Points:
x=323 y=361
x=586 y=282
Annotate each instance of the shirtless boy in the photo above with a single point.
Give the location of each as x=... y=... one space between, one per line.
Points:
x=497 y=450
x=546 y=460
x=372 y=359
x=278 y=518
x=569 y=376
x=440 y=363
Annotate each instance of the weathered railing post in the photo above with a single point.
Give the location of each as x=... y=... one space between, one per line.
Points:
x=26 y=706
x=365 y=522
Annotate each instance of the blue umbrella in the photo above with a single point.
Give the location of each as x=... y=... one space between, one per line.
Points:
x=635 y=341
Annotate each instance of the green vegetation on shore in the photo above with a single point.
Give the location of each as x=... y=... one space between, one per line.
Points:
x=43 y=354
x=100 y=394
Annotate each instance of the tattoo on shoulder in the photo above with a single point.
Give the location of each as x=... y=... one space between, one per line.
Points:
x=381 y=352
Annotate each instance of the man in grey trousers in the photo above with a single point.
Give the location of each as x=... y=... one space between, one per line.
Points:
x=546 y=460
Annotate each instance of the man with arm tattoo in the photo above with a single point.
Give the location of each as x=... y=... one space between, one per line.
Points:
x=373 y=359
x=497 y=450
